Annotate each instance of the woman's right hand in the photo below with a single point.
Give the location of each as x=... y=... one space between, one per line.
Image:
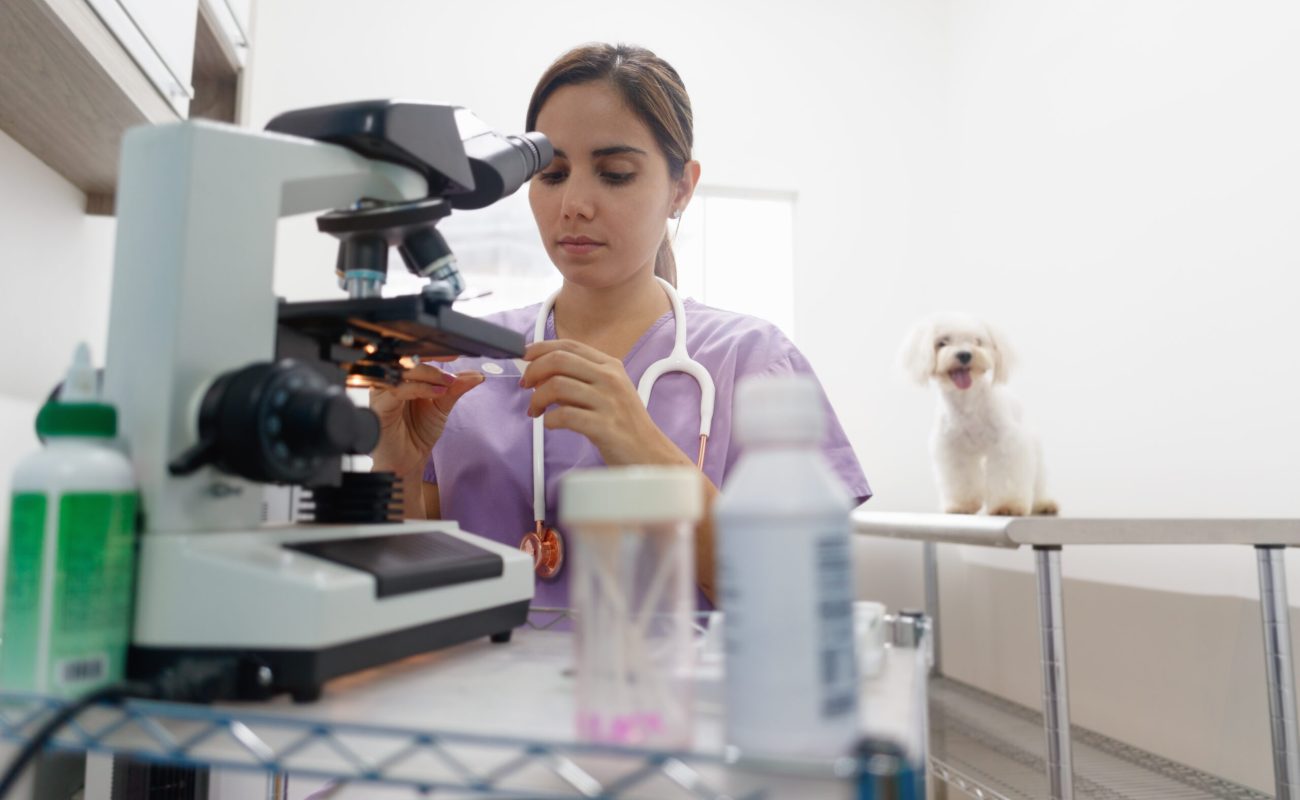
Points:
x=412 y=415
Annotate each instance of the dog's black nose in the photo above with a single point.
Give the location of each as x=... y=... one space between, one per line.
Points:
x=963 y=357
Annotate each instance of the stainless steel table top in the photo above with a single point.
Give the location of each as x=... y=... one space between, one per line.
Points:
x=1015 y=532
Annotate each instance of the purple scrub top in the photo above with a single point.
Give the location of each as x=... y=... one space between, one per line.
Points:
x=483 y=462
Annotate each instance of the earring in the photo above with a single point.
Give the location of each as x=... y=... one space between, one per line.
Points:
x=676 y=213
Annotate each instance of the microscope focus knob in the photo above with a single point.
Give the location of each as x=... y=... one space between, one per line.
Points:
x=277 y=423
x=327 y=423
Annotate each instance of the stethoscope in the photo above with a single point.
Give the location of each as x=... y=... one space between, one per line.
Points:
x=544 y=543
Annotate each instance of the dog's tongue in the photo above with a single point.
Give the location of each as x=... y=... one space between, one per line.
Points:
x=961 y=377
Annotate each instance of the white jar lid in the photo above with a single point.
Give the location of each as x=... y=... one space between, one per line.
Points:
x=631 y=494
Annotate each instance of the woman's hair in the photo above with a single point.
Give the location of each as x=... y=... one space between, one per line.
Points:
x=650 y=87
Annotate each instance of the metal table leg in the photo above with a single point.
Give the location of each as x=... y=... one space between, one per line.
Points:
x=277 y=786
x=1056 y=698
x=930 y=555
x=1278 y=669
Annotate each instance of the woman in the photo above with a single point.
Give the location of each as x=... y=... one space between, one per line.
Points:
x=621 y=124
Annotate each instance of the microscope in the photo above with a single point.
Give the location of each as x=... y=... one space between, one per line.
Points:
x=222 y=389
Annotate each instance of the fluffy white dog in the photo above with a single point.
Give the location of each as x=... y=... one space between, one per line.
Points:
x=984 y=455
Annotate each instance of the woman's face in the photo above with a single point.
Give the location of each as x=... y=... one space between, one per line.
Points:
x=602 y=204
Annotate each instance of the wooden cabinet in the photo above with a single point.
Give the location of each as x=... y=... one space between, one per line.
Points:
x=78 y=73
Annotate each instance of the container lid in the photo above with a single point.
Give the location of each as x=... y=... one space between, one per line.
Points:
x=779 y=409
x=77 y=419
x=631 y=494
x=78 y=410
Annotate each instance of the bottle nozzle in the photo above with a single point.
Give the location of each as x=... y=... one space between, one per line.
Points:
x=81 y=384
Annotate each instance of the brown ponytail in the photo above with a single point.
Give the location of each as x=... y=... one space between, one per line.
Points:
x=651 y=88
x=665 y=261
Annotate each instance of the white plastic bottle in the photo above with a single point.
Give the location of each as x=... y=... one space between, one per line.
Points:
x=70 y=572
x=787 y=582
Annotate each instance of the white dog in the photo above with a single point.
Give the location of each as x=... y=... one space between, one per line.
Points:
x=984 y=454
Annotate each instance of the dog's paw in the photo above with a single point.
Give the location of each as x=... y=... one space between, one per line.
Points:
x=970 y=507
x=1046 y=508
x=1009 y=510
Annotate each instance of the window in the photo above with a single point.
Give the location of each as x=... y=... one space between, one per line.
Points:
x=500 y=254
x=734 y=248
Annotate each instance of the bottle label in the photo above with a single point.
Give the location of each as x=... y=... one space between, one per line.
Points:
x=20 y=634
x=93 y=590
x=71 y=626
x=787 y=593
x=835 y=622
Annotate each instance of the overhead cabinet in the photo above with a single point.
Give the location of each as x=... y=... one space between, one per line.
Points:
x=159 y=37
x=79 y=73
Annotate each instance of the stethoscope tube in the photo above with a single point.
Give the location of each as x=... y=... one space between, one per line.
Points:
x=544 y=543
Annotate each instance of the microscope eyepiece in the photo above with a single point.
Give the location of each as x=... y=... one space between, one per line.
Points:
x=540 y=147
x=501 y=164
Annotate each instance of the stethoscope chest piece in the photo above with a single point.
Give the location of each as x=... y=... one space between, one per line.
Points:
x=547 y=549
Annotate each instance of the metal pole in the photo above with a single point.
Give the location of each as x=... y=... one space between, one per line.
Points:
x=133 y=779
x=930 y=554
x=277 y=786
x=1056 y=697
x=1278 y=669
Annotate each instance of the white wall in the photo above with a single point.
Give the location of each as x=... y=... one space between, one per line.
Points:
x=57 y=275
x=1112 y=182
x=1124 y=204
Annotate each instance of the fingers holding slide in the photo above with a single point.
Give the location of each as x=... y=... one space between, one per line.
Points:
x=425 y=373
x=561 y=362
x=461 y=384
x=536 y=350
x=562 y=391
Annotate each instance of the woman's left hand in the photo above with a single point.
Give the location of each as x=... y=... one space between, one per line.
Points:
x=589 y=392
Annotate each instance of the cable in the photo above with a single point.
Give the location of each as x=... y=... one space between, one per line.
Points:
x=107 y=694
x=189 y=680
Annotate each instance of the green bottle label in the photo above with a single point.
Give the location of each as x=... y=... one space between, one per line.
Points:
x=73 y=636
x=92 y=591
x=20 y=634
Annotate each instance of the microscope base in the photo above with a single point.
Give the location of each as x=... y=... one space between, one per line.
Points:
x=312 y=602
x=302 y=673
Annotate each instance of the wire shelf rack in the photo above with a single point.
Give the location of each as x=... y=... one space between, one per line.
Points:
x=425 y=760
x=992 y=749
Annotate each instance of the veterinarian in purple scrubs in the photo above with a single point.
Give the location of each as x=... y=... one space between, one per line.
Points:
x=620 y=121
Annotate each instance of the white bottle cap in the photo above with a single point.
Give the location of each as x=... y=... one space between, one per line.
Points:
x=779 y=409
x=631 y=494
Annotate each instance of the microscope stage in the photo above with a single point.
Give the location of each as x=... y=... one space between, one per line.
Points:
x=421 y=328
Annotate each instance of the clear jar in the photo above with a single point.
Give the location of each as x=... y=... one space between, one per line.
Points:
x=631 y=536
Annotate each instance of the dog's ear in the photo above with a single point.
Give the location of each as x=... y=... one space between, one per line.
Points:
x=1003 y=358
x=916 y=356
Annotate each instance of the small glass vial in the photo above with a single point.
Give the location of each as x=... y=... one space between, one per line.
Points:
x=631 y=533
